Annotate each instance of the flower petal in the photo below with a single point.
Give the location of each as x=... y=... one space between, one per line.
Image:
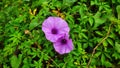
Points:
x=48 y=23
x=63 y=26
x=52 y=38
x=57 y=23
x=62 y=49
x=69 y=46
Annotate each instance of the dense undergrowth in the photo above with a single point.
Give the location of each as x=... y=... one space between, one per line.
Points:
x=94 y=29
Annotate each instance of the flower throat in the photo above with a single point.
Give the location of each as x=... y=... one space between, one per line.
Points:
x=54 y=31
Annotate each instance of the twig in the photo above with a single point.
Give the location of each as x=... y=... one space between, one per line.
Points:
x=99 y=44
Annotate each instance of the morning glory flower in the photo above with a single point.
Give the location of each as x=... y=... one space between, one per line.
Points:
x=54 y=28
x=63 y=45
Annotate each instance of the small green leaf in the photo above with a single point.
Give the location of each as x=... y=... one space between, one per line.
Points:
x=99 y=33
x=85 y=45
x=26 y=63
x=15 y=62
x=75 y=8
x=68 y=2
x=105 y=43
x=117 y=47
x=118 y=11
x=116 y=55
x=102 y=59
x=97 y=54
x=91 y=21
x=118 y=1
x=33 y=24
x=94 y=61
x=110 y=41
x=84 y=35
x=107 y=55
x=98 y=20
x=108 y=64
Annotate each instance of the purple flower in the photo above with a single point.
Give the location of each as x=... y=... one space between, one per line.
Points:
x=54 y=28
x=63 y=45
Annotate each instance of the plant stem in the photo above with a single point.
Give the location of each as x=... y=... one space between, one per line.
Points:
x=99 y=44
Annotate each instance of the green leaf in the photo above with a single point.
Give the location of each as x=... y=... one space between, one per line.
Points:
x=82 y=11
x=68 y=2
x=85 y=45
x=118 y=11
x=97 y=54
x=118 y=1
x=33 y=24
x=45 y=57
x=94 y=61
x=99 y=33
x=15 y=62
x=26 y=63
x=116 y=55
x=108 y=55
x=20 y=19
x=110 y=41
x=91 y=21
x=70 y=19
x=103 y=59
x=75 y=8
x=105 y=43
x=5 y=66
x=58 y=4
x=84 y=35
x=108 y=64
x=98 y=20
x=117 y=47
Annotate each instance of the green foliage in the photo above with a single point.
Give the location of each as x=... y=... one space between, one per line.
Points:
x=23 y=44
x=118 y=11
x=15 y=62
